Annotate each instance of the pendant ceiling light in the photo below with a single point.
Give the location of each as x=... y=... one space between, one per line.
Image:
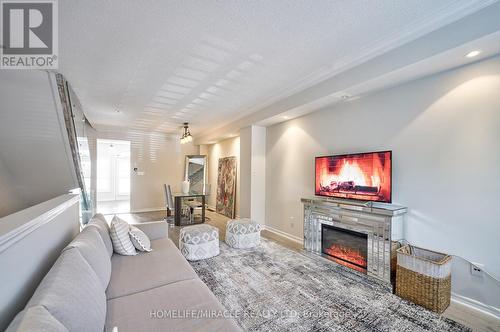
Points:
x=186 y=135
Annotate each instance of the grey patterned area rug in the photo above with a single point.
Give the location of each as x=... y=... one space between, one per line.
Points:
x=272 y=288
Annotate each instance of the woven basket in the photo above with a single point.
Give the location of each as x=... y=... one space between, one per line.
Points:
x=424 y=277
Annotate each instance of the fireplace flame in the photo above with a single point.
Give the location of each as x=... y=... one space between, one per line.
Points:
x=347 y=254
x=351 y=171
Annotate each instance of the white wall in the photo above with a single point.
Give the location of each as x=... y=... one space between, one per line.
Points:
x=258 y=174
x=444 y=131
x=245 y=190
x=34 y=147
x=253 y=173
x=30 y=242
x=10 y=199
x=227 y=148
x=159 y=156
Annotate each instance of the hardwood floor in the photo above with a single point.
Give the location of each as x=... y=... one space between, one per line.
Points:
x=478 y=322
x=109 y=207
x=456 y=311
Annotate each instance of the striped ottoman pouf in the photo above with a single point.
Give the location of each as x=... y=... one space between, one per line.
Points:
x=199 y=242
x=243 y=233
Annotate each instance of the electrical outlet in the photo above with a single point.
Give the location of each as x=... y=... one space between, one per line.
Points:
x=292 y=221
x=476 y=269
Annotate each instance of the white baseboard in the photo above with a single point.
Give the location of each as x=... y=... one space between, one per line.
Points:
x=477 y=306
x=283 y=234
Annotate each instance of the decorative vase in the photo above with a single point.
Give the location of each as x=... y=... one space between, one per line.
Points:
x=185 y=187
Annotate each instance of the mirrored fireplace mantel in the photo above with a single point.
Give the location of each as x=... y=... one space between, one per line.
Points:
x=382 y=223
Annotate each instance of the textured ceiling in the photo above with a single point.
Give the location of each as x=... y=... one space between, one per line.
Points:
x=160 y=63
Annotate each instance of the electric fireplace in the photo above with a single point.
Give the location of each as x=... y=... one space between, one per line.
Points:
x=361 y=237
x=345 y=247
x=360 y=176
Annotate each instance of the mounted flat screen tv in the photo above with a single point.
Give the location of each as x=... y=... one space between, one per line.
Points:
x=360 y=176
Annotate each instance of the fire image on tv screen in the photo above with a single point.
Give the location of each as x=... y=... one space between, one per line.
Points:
x=361 y=176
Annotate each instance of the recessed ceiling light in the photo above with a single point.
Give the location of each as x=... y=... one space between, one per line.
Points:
x=473 y=54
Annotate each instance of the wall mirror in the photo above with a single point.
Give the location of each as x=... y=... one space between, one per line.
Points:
x=196 y=172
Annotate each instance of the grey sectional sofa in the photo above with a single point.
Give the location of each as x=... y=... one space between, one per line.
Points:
x=89 y=288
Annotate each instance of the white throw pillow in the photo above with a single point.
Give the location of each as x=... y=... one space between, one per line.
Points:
x=139 y=239
x=118 y=231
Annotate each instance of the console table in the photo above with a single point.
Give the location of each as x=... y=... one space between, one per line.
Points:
x=178 y=197
x=382 y=223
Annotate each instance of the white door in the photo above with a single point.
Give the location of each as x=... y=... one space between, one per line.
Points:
x=113 y=171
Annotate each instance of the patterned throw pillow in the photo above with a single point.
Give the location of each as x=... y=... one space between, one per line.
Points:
x=118 y=232
x=139 y=239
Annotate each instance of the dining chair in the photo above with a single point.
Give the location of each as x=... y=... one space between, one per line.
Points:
x=169 y=204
